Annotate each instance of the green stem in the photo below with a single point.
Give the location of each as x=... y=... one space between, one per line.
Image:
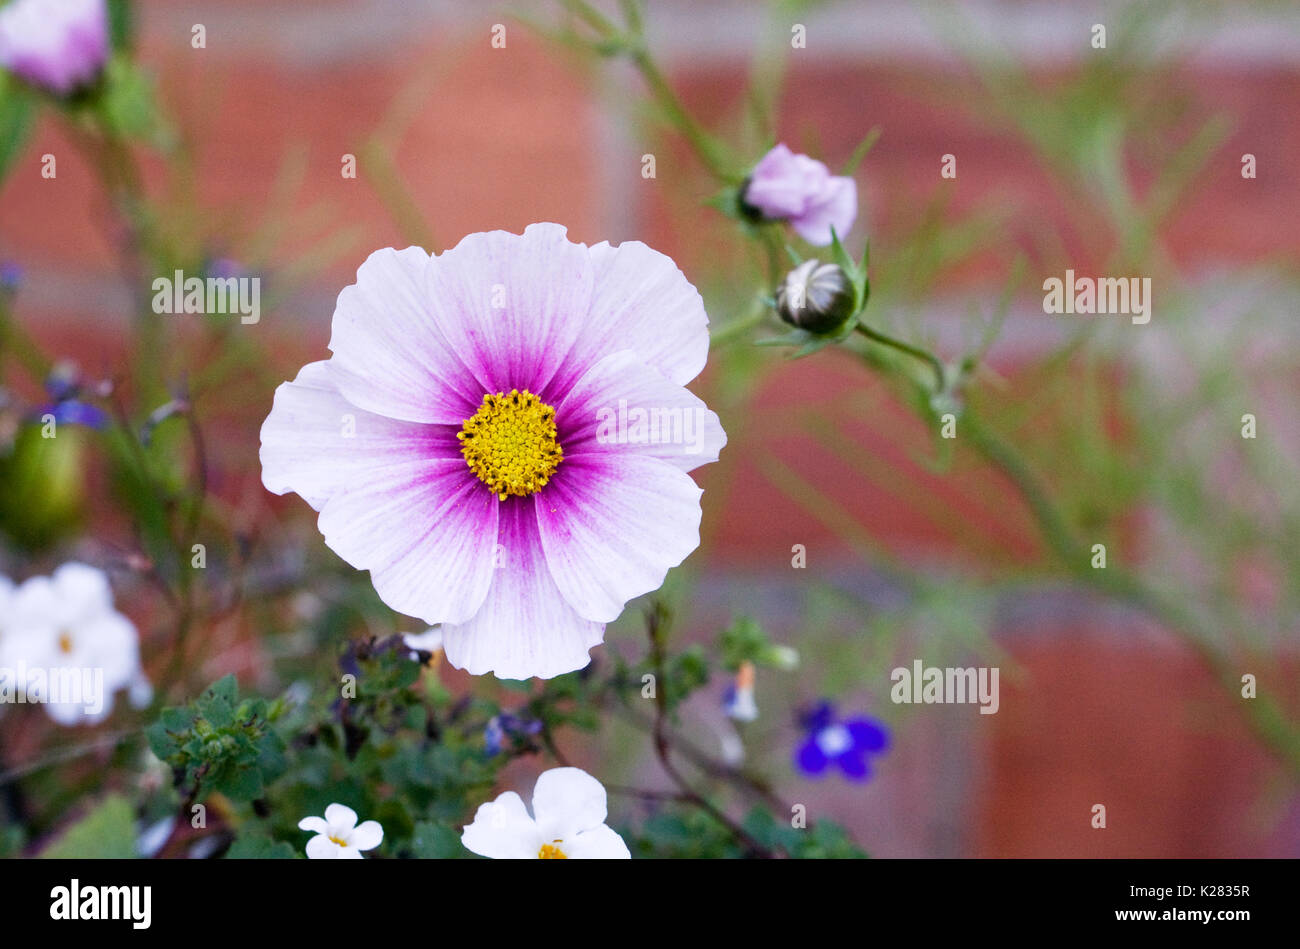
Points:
x=940 y=376
x=1265 y=717
x=705 y=148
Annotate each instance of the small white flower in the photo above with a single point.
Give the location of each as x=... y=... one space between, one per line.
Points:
x=568 y=822
x=338 y=836
x=65 y=625
x=428 y=641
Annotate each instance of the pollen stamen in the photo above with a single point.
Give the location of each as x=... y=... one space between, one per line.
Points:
x=510 y=443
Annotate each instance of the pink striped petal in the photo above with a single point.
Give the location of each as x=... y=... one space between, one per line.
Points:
x=622 y=405
x=525 y=628
x=642 y=302
x=316 y=443
x=389 y=356
x=612 y=525
x=512 y=305
x=425 y=529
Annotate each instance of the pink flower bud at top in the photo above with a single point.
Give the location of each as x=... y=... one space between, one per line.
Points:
x=795 y=188
x=816 y=297
x=58 y=45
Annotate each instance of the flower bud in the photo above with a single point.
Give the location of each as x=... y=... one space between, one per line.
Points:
x=60 y=47
x=816 y=297
x=784 y=658
x=42 y=486
x=800 y=190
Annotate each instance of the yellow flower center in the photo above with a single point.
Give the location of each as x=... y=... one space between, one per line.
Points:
x=509 y=443
x=341 y=843
x=549 y=852
x=65 y=643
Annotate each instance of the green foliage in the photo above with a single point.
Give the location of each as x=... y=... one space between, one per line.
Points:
x=106 y=833
x=691 y=834
x=253 y=846
x=220 y=744
x=17 y=113
x=746 y=641
x=128 y=100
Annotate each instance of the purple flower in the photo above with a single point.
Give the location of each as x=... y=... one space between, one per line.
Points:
x=842 y=743
x=224 y=267
x=499 y=727
x=64 y=386
x=473 y=442
x=58 y=45
x=11 y=276
x=74 y=412
x=795 y=188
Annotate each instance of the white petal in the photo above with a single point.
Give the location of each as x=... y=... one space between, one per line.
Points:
x=425 y=529
x=612 y=525
x=512 y=305
x=340 y=817
x=322 y=848
x=389 y=356
x=621 y=404
x=599 y=843
x=428 y=641
x=85 y=591
x=317 y=443
x=643 y=302
x=316 y=825
x=69 y=713
x=524 y=628
x=37 y=603
x=367 y=836
x=107 y=643
x=502 y=830
x=567 y=801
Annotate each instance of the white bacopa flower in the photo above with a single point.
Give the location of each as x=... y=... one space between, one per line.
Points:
x=429 y=641
x=568 y=822
x=65 y=646
x=339 y=836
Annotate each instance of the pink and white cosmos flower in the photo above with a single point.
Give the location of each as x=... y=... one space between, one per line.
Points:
x=801 y=190
x=460 y=444
x=55 y=44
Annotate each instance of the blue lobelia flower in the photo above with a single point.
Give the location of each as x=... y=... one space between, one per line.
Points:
x=503 y=726
x=64 y=386
x=11 y=276
x=846 y=744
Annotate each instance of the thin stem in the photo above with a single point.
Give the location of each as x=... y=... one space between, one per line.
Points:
x=940 y=376
x=1266 y=718
x=705 y=147
x=654 y=619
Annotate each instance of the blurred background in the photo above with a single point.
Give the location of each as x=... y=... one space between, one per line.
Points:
x=1125 y=161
